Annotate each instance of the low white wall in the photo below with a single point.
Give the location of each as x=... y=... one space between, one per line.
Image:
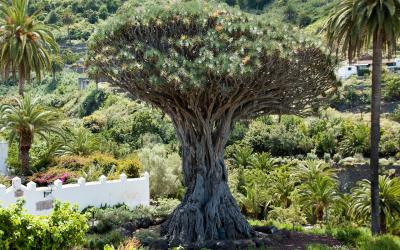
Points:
x=3 y=157
x=39 y=201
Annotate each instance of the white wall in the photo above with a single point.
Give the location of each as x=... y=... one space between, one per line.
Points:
x=3 y=158
x=346 y=71
x=131 y=192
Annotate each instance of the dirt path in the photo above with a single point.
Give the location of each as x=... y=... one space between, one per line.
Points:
x=298 y=240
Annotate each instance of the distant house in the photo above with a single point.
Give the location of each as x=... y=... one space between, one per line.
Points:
x=83 y=83
x=364 y=66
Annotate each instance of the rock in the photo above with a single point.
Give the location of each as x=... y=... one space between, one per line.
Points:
x=144 y=223
x=130 y=226
x=224 y=245
x=244 y=244
x=266 y=229
x=122 y=231
x=159 y=245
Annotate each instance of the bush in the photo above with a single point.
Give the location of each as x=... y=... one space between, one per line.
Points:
x=280 y=139
x=380 y=242
x=70 y=57
x=131 y=166
x=64 y=228
x=164 y=169
x=5 y=180
x=92 y=102
x=391 y=88
x=49 y=176
x=355 y=140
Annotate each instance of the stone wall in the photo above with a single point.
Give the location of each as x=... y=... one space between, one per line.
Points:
x=39 y=201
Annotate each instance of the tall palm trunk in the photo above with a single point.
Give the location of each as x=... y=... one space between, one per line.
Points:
x=25 y=143
x=375 y=128
x=21 y=81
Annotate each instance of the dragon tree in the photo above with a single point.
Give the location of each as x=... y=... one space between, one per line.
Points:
x=206 y=66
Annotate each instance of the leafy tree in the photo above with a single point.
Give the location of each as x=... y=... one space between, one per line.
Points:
x=389 y=200
x=352 y=26
x=68 y=19
x=207 y=66
x=57 y=65
x=53 y=17
x=26 y=119
x=25 y=42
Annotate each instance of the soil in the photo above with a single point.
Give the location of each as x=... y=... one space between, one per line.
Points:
x=281 y=239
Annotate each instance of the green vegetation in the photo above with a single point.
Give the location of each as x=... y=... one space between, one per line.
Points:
x=26 y=42
x=64 y=228
x=351 y=28
x=296 y=173
x=25 y=120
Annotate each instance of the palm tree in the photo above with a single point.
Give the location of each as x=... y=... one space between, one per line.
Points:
x=309 y=170
x=352 y=26
x=25 y=42
x=389 y=199
x=318 y=194
x=25 y=120
x=68 y=19
x=78 y=141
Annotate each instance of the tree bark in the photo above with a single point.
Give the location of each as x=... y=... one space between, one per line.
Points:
x=208 y=210
x=21 y=80
x=25 y=143
x=383 y=222
x=375 y=131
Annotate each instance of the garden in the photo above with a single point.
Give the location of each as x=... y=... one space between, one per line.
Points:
x=249 y=139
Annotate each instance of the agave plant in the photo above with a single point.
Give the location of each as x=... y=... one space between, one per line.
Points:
x=389 y=197
x=24 y=120
x=25 y=42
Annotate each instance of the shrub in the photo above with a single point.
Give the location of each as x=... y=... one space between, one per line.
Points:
x=355 y=140
x=72 y=162
x=380 y=242
x=94 y=123
x=131 y=166
x=64 y=228
x=285 y=138
x=164 y=169
x=5 y=180
x=391 y=88
x=52 y=174
x=92 y=102
x=292 y=215
x=395 y=116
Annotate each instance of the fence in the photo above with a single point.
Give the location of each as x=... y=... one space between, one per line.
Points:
x=39 y=201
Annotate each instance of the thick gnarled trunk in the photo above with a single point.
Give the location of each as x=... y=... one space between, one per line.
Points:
x=208 y=210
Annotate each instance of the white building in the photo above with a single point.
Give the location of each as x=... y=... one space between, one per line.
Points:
x=359 y=68
x=3 y=158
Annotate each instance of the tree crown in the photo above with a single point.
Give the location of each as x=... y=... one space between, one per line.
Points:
x=177 y=52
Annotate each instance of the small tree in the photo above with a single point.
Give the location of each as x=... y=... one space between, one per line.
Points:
x=25 y=120
x=208 y=66
x=68 y=19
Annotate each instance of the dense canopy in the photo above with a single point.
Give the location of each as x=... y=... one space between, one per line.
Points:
x=161 y=50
